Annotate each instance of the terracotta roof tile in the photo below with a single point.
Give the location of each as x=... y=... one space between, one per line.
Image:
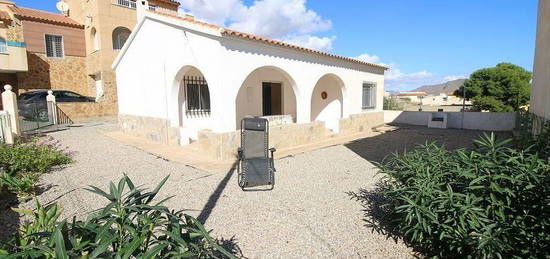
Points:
x=4 y=16
x=270 y=41
x=43 y=16
x=172 y=2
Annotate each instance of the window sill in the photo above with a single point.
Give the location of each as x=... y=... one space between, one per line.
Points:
x=4 y=53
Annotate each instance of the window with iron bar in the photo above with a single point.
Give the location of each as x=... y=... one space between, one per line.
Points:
x=369 y=95
x=197 y=94
x=54 y=46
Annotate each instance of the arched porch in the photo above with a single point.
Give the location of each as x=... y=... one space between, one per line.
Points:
x=327 y=101
x=267 y=91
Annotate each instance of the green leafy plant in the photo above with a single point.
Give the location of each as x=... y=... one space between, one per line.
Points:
x=533 y=133
x=22 y=163
x=392 y=104
x=132 y=224
x=489 y=202
x=503 y=88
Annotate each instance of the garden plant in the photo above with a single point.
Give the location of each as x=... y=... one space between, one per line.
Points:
x=131 y=225
x=492 y=201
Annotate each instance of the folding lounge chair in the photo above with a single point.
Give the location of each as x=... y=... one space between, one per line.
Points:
x=256 y=166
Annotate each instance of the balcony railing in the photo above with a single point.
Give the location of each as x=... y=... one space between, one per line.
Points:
x=126 y=3
x=131 y=4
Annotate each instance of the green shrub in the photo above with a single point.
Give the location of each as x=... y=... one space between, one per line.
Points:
x=490 y=202
x=392 y=104
x=527 y=124
x=22 y=163
x=130 y=225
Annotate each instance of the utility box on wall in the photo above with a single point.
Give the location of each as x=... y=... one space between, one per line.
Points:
x=437 y=120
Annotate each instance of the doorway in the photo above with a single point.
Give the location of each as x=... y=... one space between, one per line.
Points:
x=272 y=98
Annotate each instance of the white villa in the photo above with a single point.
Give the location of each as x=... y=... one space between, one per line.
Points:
x=180 y=80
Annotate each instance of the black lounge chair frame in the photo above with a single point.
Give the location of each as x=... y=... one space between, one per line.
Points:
x=256 y=165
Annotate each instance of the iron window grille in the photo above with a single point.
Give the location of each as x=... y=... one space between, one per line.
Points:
x=369 y=95
x=54 y=46
x=197 y=94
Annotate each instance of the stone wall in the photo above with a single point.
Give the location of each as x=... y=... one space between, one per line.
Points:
x=154 y=129
x=363 y=122
x=15 y=33
x=67 y=73
x=84 y=110
x=223 y=146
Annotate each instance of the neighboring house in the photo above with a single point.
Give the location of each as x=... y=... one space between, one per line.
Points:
x=107 y=26
x=441 y=100
x=415 y=97
x=71 y=51
x=540 y=94
x=13 y=52
x=209 y=78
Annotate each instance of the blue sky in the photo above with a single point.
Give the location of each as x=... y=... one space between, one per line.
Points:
x=423 y=41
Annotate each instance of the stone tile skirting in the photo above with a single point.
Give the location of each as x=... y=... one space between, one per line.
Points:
x=154 y=129
x=223 y=146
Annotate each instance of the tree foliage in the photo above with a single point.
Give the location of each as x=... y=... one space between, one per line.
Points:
x=503 y=88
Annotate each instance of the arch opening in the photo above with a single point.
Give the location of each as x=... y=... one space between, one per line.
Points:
x=120 y=36
x=327 y=101
x=95 y=39
x=267 y=91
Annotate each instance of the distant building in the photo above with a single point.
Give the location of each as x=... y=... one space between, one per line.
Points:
x=415 y=97
x=540 y=94
x=72 y=51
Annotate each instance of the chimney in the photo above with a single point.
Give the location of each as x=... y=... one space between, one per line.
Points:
x=141 y=7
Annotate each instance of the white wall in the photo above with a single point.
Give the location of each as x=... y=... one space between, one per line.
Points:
x=330 y=109
x=492 y=121
x=162 y=49
x=540 y=92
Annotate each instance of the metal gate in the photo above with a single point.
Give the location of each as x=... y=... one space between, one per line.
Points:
x=42 y=116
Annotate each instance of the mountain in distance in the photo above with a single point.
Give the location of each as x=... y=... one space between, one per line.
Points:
x=447 y=87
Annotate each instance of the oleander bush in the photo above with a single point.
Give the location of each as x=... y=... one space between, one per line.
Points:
x=22 y=163
x=131 y=225
x=539 y=142
x=489 y=202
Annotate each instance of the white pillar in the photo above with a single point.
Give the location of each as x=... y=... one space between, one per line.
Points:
x=303 y=109
x=141 y=7
x=9 y=101
x=51 y=104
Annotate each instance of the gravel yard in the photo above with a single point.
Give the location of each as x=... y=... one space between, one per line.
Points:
x=308 y=214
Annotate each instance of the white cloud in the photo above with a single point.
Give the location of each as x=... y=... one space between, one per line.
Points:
x=368 y=58
x=287 y=20
x=397 y=80
x=321 y=43
x=453 y=77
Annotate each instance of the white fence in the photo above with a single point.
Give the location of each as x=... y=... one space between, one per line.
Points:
x=491 y=121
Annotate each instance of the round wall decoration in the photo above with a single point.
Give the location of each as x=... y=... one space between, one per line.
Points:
x=324 y=95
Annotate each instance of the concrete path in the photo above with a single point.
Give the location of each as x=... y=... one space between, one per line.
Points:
x=309 y=214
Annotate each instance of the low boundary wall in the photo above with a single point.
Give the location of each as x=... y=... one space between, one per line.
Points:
x=490 y=121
